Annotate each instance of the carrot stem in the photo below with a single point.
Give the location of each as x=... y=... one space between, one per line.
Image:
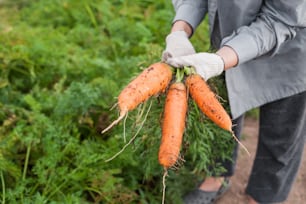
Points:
x=179 y=75
x=189 y=70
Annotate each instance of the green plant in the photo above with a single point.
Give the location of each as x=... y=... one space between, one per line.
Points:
x=61 y=65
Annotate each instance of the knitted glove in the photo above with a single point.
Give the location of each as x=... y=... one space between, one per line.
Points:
x=206 y=64
x=177 y=44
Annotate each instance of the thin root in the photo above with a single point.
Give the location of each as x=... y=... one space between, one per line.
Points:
x=114 y=123
x=245 y=149
x=140 y=113
x=164 y=184
x=124 y=147
x=114 y=106
x=180 y=161
x=220 y=98
x=124 y=135
x=175 y=167
x=132 y=139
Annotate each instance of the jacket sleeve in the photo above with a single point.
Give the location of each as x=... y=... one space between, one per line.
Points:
x=277 y=22
x=191 y=11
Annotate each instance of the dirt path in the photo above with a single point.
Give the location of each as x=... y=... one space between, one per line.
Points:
x=239 y=181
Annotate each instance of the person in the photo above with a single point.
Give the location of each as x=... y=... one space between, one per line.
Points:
x=261 y=48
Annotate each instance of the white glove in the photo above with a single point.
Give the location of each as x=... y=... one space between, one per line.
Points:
x=206 y=64
x=177 y=44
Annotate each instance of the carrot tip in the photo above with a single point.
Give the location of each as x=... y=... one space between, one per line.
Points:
x=164 y=185
x=122 y=114
x=245 y=149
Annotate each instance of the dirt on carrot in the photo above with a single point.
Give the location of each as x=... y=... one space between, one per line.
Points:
x=209 y=104
x=152 y=81
x=207 y=101
x=173 y=124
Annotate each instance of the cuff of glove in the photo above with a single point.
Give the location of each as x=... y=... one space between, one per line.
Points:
x=179 y=33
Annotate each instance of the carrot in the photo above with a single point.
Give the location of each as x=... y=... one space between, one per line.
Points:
x=173 y=124
x=206 y=100
x=151 y=81
x=173 y=127
x=208 y=103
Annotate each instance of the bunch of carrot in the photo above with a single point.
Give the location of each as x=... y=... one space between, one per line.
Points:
x=158 y=78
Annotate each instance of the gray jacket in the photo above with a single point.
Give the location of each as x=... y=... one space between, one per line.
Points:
x=269 y=37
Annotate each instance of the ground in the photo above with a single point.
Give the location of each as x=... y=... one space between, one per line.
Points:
x=236 y=193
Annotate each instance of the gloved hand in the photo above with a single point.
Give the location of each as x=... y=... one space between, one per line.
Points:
x=177 y=44
x=206 y=64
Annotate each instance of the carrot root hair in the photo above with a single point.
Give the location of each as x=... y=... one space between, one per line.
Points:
x=115 y=122
x=240 y=143
x=133 y=138
x=114 y=106
x=179 y=162
x=164 y=184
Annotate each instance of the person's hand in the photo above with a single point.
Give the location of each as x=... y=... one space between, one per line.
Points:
x=206 y=64
x=177 y=44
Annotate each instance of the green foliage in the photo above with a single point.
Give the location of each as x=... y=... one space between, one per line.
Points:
x=62 y=64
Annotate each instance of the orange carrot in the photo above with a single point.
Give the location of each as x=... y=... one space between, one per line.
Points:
x=173 y=124
x=206 y=100
x=208 y=103
x=151 y=81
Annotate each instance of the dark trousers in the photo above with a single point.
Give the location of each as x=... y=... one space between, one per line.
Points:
x=282 y=134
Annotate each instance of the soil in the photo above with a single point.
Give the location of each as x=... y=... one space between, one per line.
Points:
x=236 y=194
